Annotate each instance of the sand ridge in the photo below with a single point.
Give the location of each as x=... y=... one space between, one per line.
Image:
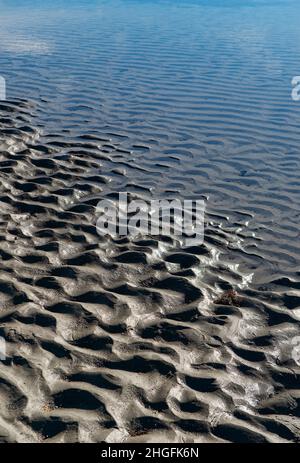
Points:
x=142 y=339
x=122 y=339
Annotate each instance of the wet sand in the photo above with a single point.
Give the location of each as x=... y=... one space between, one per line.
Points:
x=142 y=339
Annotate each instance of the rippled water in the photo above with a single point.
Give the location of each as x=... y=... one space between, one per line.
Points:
x=132 y=339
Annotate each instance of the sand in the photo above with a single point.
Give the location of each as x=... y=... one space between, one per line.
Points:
x=145 y=339
x=128 y=340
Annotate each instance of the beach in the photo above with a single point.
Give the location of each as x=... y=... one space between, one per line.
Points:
x=142 y=339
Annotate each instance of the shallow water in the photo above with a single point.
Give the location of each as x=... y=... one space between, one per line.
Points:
x=122 y=340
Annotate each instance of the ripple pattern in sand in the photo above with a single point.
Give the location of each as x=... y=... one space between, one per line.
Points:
x=130 y=340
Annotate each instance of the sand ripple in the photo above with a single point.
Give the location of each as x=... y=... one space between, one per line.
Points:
x=134 y=340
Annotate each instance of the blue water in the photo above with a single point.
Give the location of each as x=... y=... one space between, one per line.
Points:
x=199 y=92
x=195 y=66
